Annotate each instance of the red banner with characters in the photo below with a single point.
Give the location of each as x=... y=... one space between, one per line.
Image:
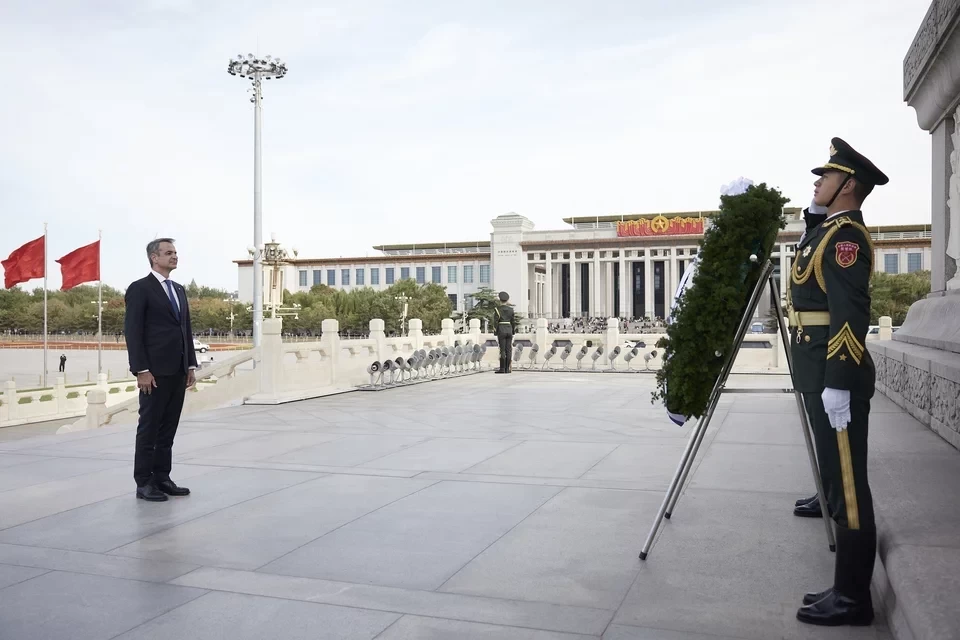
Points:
x=660 y=226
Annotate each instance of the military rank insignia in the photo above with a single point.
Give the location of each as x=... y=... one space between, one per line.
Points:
x=806 y=252
x=847 y=253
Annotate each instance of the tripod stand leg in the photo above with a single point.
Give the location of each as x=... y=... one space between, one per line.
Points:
x=805 y=425
x=673 y=493
x=674 y=485
x=701 y=430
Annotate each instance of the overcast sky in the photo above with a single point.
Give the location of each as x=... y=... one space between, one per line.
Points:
x=421 y=120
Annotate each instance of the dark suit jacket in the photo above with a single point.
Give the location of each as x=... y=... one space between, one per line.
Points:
x=156 y=341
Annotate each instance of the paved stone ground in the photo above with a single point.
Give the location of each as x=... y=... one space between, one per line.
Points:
x=483 y=507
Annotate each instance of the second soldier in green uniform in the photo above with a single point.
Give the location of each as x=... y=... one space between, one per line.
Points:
x=503 y=315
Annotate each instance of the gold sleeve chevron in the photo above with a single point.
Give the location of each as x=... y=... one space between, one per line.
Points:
x=845 y=338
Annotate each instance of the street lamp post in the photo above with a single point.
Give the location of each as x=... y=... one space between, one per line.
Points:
x=403 y=314
x=257 y=70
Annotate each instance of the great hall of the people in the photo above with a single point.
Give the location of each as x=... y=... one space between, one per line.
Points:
x=624 y=266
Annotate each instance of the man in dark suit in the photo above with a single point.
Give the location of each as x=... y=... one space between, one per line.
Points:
x=160 y=349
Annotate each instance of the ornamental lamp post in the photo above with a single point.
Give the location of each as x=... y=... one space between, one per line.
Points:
x=257 y=70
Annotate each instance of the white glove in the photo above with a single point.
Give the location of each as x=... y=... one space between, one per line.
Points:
x=816 y=209
x=836 y=402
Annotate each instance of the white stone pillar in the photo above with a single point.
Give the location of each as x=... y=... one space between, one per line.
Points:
x=611 y=336
x=608 y=291
x=475 y=331
x=96 y=408
x=446 y=331
x=330 y=343
x=541 y=338
x=10 y=400
x=595 y=281
x=574 y=309
x=648 y=285
x=461 y=300
x=886 y=328
x=624 y=286
x=548 y=288
x=415 y=330
x=60 y=394
x=378 y=335
x=271 y=357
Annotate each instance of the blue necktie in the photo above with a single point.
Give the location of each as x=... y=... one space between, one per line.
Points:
x=173 y=302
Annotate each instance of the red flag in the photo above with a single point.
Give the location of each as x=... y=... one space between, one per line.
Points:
x=25 y=263
x=80 y=265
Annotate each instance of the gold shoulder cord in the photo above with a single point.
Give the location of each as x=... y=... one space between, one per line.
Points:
x=815 y=266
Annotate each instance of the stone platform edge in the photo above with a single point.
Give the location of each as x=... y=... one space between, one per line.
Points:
x=923 y=381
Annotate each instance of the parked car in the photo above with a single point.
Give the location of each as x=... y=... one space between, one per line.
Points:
x=200 y=347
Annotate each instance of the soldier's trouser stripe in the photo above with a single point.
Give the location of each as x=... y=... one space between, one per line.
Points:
x=849 y=489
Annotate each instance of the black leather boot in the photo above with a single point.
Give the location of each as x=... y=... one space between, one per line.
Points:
x=849 y=602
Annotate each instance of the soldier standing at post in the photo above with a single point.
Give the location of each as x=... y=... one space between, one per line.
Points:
x=503 y=316
x=830 y=315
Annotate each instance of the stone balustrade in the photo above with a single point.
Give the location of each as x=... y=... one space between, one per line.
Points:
x=279 y=372
x=23 y=406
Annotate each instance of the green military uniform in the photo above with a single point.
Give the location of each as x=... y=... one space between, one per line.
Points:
x=829 y=302
x=503 y=315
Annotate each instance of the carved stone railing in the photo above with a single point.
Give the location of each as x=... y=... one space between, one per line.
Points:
x=23 y=406
x=217 y=385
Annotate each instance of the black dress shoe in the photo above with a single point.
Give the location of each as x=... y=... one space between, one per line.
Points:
x=809 y=510
x=150 y=493
x=170 y=488
x=803 y=501
x=837 y=609
x=810 y=598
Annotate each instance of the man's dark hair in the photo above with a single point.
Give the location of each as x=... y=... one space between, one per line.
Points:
x=153 y=247
x=861 y=190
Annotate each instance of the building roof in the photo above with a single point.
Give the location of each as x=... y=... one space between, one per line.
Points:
x=433 y=245
x=793 y=212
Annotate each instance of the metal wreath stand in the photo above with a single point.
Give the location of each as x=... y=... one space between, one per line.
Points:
x=696 y=437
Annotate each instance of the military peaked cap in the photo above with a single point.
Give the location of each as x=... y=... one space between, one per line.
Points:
x=845 y=158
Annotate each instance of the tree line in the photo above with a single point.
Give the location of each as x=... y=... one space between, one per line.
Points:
x=75 y=310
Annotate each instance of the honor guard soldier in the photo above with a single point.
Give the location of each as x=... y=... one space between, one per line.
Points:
x=829 y=308
x=503 y=314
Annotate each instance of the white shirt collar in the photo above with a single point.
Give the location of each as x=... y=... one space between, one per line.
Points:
x=159 y=276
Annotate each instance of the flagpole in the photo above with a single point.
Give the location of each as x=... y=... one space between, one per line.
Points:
x=44 y=304
x=99 y=303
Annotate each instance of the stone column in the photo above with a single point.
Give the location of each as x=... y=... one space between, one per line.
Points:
x=271 y=362
x=573 y=286
x=10 y=400
x=378 y=335
x=595 y=309
x=330 y=343
x=548 y=288
x=446 y=331
x=923 y=376
x=608 y=290
x=624 y=288
x=542 y=338
x=415 y=331
x=475 y=331
x=648 y=285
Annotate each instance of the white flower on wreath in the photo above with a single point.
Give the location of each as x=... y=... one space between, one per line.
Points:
x=738 y=186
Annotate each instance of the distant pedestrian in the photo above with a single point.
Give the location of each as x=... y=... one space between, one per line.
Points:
x=63 y=362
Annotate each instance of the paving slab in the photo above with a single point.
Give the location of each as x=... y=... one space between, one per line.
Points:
x=71 y=606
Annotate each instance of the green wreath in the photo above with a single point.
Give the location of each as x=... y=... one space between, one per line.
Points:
x=707 y=315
